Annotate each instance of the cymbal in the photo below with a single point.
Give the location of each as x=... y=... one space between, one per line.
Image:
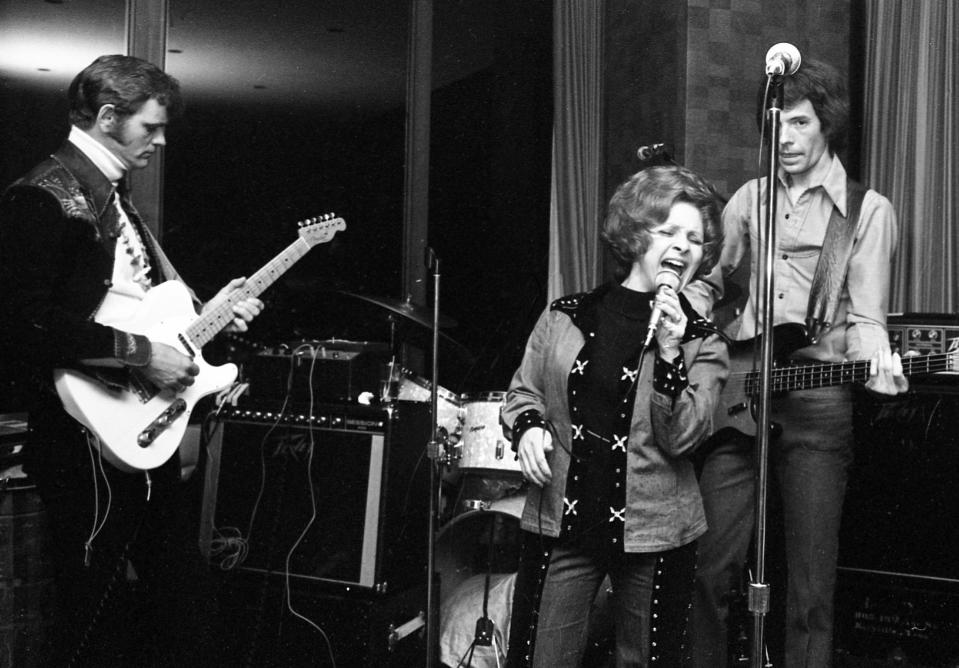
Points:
x=418 y=314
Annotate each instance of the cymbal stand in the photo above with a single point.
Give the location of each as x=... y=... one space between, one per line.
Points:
x=485 y=635
x=759 y=593
x=436 y=455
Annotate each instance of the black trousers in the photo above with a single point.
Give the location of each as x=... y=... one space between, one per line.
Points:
x=140 y=594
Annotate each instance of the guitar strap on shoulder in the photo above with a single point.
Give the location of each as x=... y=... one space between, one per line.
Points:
x=833 y=263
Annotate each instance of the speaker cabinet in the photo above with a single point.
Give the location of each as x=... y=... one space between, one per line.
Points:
x=898 y=579
x=338 y=496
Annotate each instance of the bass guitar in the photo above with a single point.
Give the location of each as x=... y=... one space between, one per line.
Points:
x=139 y=426
x=736 y=408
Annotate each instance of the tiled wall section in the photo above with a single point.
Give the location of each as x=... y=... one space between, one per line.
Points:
x=725 y=62
x=686 y=72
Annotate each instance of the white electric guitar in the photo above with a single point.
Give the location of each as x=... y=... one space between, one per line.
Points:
x=139 y=427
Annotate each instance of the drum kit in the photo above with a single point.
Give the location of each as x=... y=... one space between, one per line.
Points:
x=476 y=550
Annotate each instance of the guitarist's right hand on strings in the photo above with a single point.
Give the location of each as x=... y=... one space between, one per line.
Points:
x=169 y=369
x=885 y=374
x=533 y=446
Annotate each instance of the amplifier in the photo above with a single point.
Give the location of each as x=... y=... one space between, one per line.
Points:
x=336 y=497
x=927 y=334
x=324 y=371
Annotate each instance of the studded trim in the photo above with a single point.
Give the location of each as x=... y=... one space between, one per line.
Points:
x=524 y=422
x=670 y=378
x=670 y=605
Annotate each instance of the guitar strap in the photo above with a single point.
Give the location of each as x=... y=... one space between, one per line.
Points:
x=833 y=263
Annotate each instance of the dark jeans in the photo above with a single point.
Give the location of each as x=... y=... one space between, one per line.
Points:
x=649 y=605
x=810 y=462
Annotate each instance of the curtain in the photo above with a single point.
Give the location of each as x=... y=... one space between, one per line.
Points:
x=576 y=189
x=910 y=151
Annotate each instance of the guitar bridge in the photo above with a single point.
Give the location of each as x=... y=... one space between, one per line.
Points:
x=153 y=430
x=735 y=409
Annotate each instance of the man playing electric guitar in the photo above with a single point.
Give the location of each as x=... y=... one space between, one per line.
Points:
x=75 y=260
x=830 y=232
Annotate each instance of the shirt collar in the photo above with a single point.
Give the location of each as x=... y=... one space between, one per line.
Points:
x=99 y=155
x=833 y=183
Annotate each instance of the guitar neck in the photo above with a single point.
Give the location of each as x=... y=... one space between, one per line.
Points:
x=800 y=377
x=211 y=323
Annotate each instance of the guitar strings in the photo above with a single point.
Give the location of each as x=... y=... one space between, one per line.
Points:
x=832 y=373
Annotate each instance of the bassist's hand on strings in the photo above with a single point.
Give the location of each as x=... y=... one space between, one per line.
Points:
x=885 y=374
x=169 y=369
x=244 y=310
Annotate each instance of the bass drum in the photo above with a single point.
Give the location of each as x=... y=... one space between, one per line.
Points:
x=466 y=547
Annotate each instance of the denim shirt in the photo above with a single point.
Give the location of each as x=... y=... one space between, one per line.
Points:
x=663 y=505
x=860 y=330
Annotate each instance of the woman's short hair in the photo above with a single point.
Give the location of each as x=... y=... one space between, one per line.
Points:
x=644 y=202
x=125 y=82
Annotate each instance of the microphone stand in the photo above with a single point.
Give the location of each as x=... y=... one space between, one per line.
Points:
x=434 y=451
x=758 y=588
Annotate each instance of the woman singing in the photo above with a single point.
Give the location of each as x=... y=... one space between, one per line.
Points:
x=605 y=409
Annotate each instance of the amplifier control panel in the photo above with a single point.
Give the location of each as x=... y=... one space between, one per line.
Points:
x=924 y=333
x=927 y=334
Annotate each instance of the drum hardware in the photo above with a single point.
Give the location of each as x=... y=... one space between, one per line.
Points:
x=481 y=540
x=397 y=633
x=484 y=635
x=476 y=504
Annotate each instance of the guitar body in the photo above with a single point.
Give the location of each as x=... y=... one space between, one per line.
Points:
x=736 y=408
x=118 y=416
x=138 y=427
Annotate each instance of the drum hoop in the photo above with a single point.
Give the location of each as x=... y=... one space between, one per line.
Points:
x=428 y=385
x=476 y=397
x=509 y=506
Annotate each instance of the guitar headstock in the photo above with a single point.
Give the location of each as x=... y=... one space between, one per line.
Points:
x=320 y=229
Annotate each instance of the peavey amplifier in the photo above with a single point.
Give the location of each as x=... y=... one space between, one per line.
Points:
x=337 y=497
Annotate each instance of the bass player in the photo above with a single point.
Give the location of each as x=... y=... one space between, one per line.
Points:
x=811 y=459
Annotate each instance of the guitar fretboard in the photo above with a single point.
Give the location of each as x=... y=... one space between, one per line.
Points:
x=807 y=376
x=204 y=328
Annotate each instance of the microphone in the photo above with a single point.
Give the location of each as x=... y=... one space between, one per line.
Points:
x=663 y=279
x=782 y=59
x=646 y=152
